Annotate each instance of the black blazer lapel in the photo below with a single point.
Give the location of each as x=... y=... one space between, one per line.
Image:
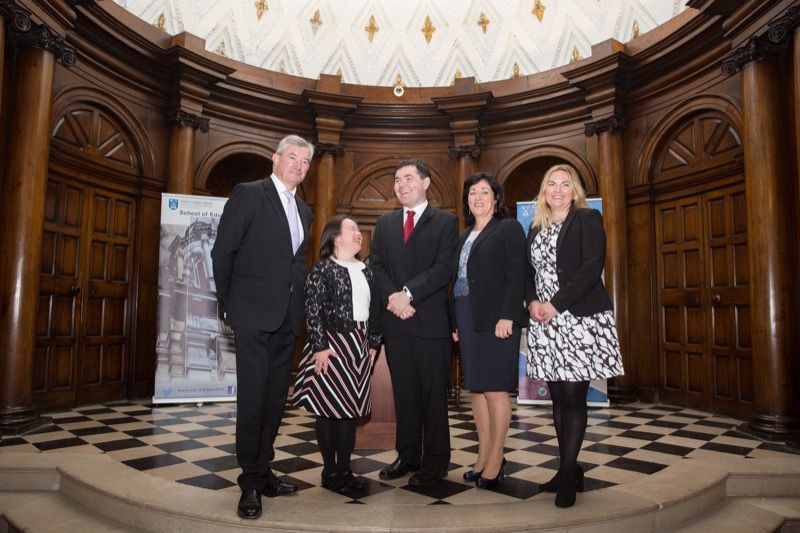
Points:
x=485 y=232
x=564 y=227
x=423 y=219
x=279 y=213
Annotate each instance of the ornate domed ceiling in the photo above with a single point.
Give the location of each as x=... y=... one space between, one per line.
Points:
x=413 y=42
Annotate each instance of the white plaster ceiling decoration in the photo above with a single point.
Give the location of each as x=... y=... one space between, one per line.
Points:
x=423 y=42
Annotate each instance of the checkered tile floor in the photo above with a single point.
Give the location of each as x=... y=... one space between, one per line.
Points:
x=194 y=445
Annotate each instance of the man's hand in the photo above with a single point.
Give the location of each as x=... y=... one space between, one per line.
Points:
x=400 y=305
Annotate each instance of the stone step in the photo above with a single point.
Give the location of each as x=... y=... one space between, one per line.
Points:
x=51 y=512
x=742 y=514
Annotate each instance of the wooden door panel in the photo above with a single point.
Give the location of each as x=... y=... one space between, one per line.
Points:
x=680 y=282
x=704 y=301
x=729 y=299
x=106 y=326
x=82 y=326
x=59 y=311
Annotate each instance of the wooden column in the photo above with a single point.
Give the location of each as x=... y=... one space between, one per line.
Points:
x=22 y=194
x=465 y=156
x=771 y=240
x=324 y=190
x=612 y=190
x=180 y=171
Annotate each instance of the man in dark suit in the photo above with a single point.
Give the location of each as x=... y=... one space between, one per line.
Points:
x=410 y=255
x=259 y=269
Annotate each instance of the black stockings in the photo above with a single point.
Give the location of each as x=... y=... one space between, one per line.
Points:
x=336 y=438
x=570 y=416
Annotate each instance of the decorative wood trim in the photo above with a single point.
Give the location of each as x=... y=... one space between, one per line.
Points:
x=782 y=29
x=472 y=150
x=579 y=162
x=179 y=117
x=756 y=49
x=216 y=155
x=610 y=124
x=41 y=36
x=17 y=16
x=336 y=150
x=658 y=135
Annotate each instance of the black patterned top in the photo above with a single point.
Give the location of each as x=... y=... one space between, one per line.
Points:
x=329 y=304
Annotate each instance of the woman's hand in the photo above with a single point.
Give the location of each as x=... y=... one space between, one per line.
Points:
x=373 y=353
x=321 y=360
x=535 y=310
x=547 y=312
x=503 y=328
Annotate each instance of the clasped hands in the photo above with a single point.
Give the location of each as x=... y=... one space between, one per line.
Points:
x=542 y=312
x=400 y=305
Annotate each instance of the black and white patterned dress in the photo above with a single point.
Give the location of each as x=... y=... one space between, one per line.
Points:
x=569 y=348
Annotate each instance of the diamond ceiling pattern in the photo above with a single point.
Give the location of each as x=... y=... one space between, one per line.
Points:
x=424 y=42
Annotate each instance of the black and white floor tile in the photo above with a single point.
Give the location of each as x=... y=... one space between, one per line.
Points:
x=195 y=445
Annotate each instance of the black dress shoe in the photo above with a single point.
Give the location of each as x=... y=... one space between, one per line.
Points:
x=397 y=469
x=426 y=478
x=352 y=487
x=275 y=487
x=249 y=504
x=333 y=482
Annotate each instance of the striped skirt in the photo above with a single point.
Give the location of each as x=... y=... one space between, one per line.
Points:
x=344 y=390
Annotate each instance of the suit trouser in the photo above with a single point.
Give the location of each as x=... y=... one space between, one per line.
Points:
x=263 y=367
x=420 y=369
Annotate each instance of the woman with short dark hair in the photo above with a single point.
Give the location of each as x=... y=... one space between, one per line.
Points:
x=334 y=374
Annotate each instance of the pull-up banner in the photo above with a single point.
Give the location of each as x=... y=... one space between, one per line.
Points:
x=195 y=356
x=535 y=391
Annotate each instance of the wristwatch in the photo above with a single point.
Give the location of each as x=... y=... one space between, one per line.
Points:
x=408 y=293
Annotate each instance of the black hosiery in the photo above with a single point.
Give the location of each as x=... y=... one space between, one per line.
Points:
x=573 y=414
x=327 y=430
x=346 y=443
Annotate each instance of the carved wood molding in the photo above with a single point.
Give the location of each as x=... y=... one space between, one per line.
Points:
x=179 y=117
x=756 y=49
x=610 y=124
x=37 y=35
x=782 y=29
x=472 y=150
x=336 y=150
x=17 y=16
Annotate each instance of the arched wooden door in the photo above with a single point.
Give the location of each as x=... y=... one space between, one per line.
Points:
x=87 y=274
x=702 y=278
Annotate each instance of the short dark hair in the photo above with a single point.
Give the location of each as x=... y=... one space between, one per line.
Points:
x=332 y=229
x=500 y=208
x=422 y=168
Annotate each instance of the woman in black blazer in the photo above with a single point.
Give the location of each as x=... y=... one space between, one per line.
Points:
x=488 y=306
x=572 y=336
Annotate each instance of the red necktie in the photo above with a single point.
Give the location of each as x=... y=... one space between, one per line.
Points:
x=408 y=227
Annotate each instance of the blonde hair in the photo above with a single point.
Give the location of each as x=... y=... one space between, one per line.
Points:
x=544 y=216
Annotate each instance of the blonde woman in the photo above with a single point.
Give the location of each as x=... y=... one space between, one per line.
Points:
x=572 y=336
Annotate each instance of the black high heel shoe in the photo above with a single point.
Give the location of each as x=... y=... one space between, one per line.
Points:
x=484 y=483
x=472 y=475
x=565 y=495
x=552 y=485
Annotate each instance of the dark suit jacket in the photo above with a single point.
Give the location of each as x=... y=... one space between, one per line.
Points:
x=422 y=264
x=258 y=278
x=496 y=273
x=580 y=258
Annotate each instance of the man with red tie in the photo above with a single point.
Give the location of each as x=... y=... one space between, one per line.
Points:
x=411 y=255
